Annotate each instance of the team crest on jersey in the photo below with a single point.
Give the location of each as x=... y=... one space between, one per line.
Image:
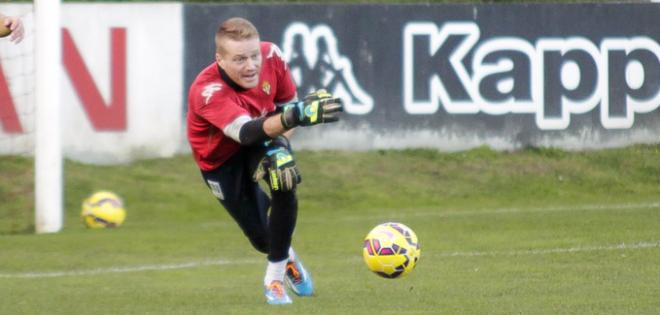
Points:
x=266 y=87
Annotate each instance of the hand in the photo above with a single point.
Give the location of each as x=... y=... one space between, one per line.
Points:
x=281 y=169
x=316 y=108
x=16 y=26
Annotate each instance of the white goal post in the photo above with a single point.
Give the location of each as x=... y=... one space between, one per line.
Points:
x=48 y=171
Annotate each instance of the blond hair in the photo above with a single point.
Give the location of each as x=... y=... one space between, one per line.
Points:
x=235 y=28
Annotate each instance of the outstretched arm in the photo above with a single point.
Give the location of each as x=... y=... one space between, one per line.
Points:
x=316 y=108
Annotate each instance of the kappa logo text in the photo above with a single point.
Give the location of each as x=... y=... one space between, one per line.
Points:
x=552 y=78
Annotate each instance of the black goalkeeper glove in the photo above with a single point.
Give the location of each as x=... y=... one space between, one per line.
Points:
x=281 y=169
x=316 y=108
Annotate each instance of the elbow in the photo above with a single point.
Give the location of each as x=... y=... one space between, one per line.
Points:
x=252 y=132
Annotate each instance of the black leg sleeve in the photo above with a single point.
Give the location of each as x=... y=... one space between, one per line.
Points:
x=281 y=223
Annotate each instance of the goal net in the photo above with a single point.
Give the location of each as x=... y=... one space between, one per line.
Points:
x=17 y=110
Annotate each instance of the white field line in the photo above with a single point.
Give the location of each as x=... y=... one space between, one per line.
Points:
x=205 y=263
x=388 y=213
x=393 y=213
x=567 y=250
x=98 y=271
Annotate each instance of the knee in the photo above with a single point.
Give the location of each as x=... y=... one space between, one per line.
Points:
x=260 y=243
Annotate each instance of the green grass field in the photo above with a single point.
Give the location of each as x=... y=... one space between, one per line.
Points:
x=539 y=231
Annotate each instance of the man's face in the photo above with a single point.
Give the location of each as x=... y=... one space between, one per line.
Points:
x=241 y=60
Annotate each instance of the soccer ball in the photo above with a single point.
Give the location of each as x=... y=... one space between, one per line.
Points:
x=391 y=250
x=103 y=209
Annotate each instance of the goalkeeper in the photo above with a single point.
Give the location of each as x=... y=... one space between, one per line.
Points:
x=241 y=110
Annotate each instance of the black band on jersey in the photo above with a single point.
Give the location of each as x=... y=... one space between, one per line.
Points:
x=225 y=77
x=252 y=132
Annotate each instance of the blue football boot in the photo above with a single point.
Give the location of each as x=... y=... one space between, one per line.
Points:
x=298 y=279
x=275 y=294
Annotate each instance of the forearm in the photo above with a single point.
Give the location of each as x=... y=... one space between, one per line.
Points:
x=317 y=108
x=248 y=131
x=289 y=133
x=273 y=127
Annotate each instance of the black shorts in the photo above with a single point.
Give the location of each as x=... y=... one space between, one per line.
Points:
x=233 y=185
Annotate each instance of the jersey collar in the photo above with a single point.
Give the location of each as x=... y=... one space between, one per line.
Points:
x=229 y=81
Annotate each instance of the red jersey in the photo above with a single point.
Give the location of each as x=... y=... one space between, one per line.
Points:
x=215 y=101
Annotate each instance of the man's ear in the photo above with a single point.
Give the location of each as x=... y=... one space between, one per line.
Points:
x=219 y=60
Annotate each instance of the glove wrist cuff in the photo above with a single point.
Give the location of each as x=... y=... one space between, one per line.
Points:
x=287 y=118
x=282 y=141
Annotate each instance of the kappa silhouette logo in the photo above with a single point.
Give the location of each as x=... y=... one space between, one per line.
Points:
x=314 y=59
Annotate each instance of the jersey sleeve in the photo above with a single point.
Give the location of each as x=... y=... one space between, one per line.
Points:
x=219 y=109
x=286 y=88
